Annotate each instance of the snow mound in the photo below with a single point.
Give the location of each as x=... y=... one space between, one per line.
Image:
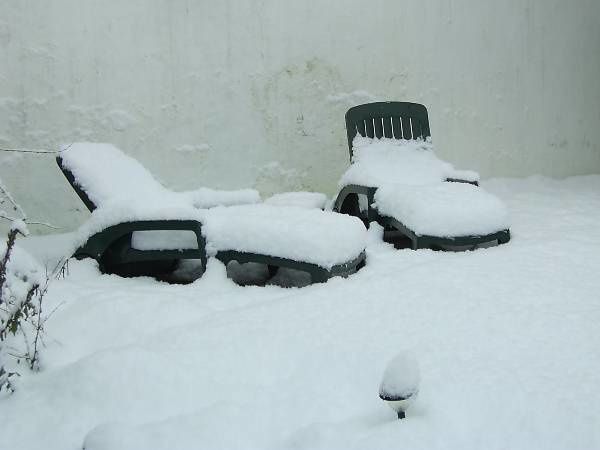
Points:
x=443 y=209
x=300 y=199
x=376 y=162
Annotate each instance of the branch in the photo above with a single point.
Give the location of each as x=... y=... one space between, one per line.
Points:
x=10 y=243
x=16 y=207
x=23 y=150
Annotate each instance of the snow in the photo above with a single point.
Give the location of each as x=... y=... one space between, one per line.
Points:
x=443 y=209
x=106 y=174
x=164 y=240
x=506 y=339
x=300 y=199
x=376 y=162
x=209 y=198
x=320 y=237
x=20 y=226
x=22 y=269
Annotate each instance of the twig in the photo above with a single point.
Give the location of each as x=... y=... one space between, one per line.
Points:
x=45 y=224
x=34 y=150
x=23 y=150
x=39 y=326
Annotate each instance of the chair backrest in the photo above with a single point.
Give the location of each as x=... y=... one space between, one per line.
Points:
x=399 y=120
x=101 y=172
x=89 y=204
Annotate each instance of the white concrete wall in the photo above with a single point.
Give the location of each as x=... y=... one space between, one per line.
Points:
x=239 y=93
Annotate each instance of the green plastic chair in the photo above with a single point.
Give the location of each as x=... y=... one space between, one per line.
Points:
x=112 y=247
x=397 y=120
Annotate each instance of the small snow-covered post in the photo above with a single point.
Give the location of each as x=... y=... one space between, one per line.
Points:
x=400 y=383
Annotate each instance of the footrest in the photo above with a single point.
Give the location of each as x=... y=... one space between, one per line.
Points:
x=443 y=209
x=322 y=238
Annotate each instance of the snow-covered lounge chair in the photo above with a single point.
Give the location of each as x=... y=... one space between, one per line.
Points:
x=407 y=189
x=138 y=227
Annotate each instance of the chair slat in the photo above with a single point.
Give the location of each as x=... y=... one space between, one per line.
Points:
x=397 y=127
x=360 y=119
x=416 y=129
x=360 y=127
x=378 y=127
x=369 y=128
x=406 y=130
x=387 y=127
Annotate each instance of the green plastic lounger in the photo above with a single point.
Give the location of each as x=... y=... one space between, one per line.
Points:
x=138 y=227
x=395 y=179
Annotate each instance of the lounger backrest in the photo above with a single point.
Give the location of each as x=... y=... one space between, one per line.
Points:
x=399 y=120
x=100 y=172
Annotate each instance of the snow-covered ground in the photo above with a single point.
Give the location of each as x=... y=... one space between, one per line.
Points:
x=507 y=342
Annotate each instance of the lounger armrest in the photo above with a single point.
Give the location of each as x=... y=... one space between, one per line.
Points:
x=98 y=243
x=458 y=180
x=464 y=176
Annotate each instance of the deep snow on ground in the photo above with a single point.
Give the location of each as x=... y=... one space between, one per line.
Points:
x=507 y=341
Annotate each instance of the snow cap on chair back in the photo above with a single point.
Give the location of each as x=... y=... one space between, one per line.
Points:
x=105 y=173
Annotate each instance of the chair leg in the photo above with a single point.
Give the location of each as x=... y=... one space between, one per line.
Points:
x=415 y=243
x=350 y=205
x=272 y=270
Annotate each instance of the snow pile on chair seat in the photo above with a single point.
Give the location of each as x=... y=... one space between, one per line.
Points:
x=309 y=235
x=443 y=209
x=300 y=199
x=376 y=162
x=105 y=173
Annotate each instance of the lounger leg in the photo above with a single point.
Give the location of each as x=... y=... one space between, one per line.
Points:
x=272 y=270
x=504 y=238
x=415 y=243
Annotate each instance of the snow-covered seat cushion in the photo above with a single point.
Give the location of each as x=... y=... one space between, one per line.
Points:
x=107 y=174
x=443 y=209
